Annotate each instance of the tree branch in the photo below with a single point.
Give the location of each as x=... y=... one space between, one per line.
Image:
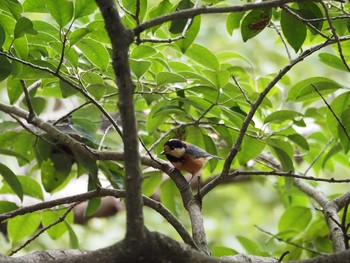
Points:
x=330 y=211
x=121 y=38
x=192 y=12
x=103 y=192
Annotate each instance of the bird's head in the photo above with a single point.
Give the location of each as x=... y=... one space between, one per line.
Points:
x=174 y=147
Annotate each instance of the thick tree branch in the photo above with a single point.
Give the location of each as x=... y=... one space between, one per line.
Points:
x=330 y=211
x=103 y=192
x=121 y=38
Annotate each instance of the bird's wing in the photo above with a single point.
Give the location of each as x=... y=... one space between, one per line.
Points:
x=197 y=152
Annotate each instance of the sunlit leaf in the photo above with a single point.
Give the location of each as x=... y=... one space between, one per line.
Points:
x=332 y=61
x=23 y=226
x=203 y=56
x=2 y=36
x=255 y=22
x=150 y=182
x=84 y=8
x=233 y=21
x=169 y=195
x=61 y=11
x=12 y=180
x=293 y=29
x=95 y=52
x=178 y=25
x=295 y=220
x=303 y=90
x=139 y=67
x=24 y=26
x=6 y=206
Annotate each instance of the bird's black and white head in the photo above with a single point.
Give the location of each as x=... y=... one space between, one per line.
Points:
x=175 y=148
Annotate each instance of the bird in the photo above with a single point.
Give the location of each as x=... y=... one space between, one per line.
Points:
x=187 y=157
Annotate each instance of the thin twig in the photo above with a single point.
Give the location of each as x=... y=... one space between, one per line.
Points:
x=192 y=12
x=28 y=100
x=305 y=21
x=282 y=38
x=72 y=84
x=288 y=242
x=124 y=9
x=331 y=110
x=103 y=192
x=318 y=155
x=343 y=224
x=59 y=220
x=335 y=35
x=241 y=89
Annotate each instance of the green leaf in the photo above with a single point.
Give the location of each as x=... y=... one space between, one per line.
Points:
x=98 y=32
x=23 y=226
x=250 y=149
x=284 y=152
x=282 y=116
x=49 y=217
x=51 y=176
x=31 y=187
x=190 y=35
x=84 y=8
x=300 y=141
x=304 y=91
x=233 y=21
x=170 y=196
x=13 y=7
x=139 y=67
x=6 y=206
x=203 y=56
x=97 y=90
x=93 y=206
x=169 y=77
x=219 y=251
x=339 y=105
x=151 y=182
x=38 y=104
x=114 y=173
x=12 y=180
x=293 y=29
x=73 y=238
x=332 y=61
x=140 y=52
x=2 y=36
x=34 y=6
x=14 y=154
x=333 y=151
x=61 y=11
x=131 y=7
x=24 y=26
x=294 y=220
x=78 y=35
x=250 y=246
x=170 y=109
x=21 y=47
x=177 y=25
x=219 y=78
x=255 y=22
x=5 y=68
x=311 y=11
x=344 y=139
x=95 y=52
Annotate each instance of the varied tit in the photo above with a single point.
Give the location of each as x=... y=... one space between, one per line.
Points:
x=186 y=157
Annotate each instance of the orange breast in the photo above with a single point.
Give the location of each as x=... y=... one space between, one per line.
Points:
x=190 y=165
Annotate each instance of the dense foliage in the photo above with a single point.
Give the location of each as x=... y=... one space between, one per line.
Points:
x=220 y=81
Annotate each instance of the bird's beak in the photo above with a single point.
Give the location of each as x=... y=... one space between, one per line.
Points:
x=162 y=153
